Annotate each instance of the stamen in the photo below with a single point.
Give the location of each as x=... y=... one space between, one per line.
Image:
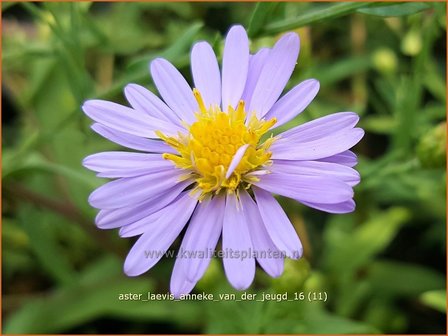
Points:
x=208 y=149
x=200 y=101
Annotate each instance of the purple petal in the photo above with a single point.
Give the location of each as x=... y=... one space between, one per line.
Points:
x=201 y=237
x=147 y=223
x=133 y=190
x=143 y=225
x=278 y=225
x=110 y=219
x=338 y=208
x=239 y=269
x=294 y=102
x=152 y=245
x=316 y=168
x=322 y=127
x=125 y=164
x=179 y=283
x=261 y=241
x=333 y=143
x=153 y=212
x=347 y=158
x=127 y=120
x=316 y=189
x=275 y=74
x=256 y=64
x=236 y=159
x=235 y=64
x=132 y=141
x=144 y=100
x=174 y=89
x=206 y=75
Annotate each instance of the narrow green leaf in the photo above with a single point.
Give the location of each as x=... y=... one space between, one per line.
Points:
x=381 y=124
x=34 y=10
x=396 y=10
x=137 y=70
x=6 y=5
x=27 y=53
x=435 y=83
x=35 y=161
x=45 y=247
x=325 y=13
x=259 y=17
x=177 y=49
x=435 y=299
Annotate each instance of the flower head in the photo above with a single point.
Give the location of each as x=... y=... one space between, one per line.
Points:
x=207 y=158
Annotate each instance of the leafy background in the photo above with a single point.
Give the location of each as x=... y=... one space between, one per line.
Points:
x=383 y=266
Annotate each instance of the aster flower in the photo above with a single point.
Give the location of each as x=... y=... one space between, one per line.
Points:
x=207 y=158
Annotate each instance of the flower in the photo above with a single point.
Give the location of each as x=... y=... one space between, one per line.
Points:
x=209 y=160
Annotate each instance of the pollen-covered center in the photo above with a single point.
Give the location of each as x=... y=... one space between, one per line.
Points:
x=221 y=148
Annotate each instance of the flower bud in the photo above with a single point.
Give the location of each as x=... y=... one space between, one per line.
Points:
x=385 y=60
x=431 y=149
x=412 y=43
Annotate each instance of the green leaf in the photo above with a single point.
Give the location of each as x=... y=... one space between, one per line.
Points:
x=44 y=246
x=403 y=279
x=348 y=251
x=181 y=312
x=94 y=295
x=435 y=299
x=89 y=298
x=183 y=43
x=26 y=53
x=382 y=313
x=325 y=13
x=177 y=49
x=35 y=161
x=396 y=10
x=137 y=69
x=259 y=17
x=381 y=124
x=301 y=317
x=327 y=323
x=6 y=5
x=435 y=83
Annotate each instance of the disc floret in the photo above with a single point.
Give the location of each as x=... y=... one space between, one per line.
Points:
x=209 y=149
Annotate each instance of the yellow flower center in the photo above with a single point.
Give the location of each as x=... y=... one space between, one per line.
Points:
x=206 y=152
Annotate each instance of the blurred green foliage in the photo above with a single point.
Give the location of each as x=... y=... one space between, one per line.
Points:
x=382 y=267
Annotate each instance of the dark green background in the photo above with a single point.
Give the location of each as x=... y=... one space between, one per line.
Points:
x=382 y=267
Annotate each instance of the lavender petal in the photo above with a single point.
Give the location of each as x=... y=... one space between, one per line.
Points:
x=294 y=102
x=275 y=74
x=206 y=75
x=152 y=245
x=235 y=64
x=174 y=89
x=278 y=224
x=240 y=271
